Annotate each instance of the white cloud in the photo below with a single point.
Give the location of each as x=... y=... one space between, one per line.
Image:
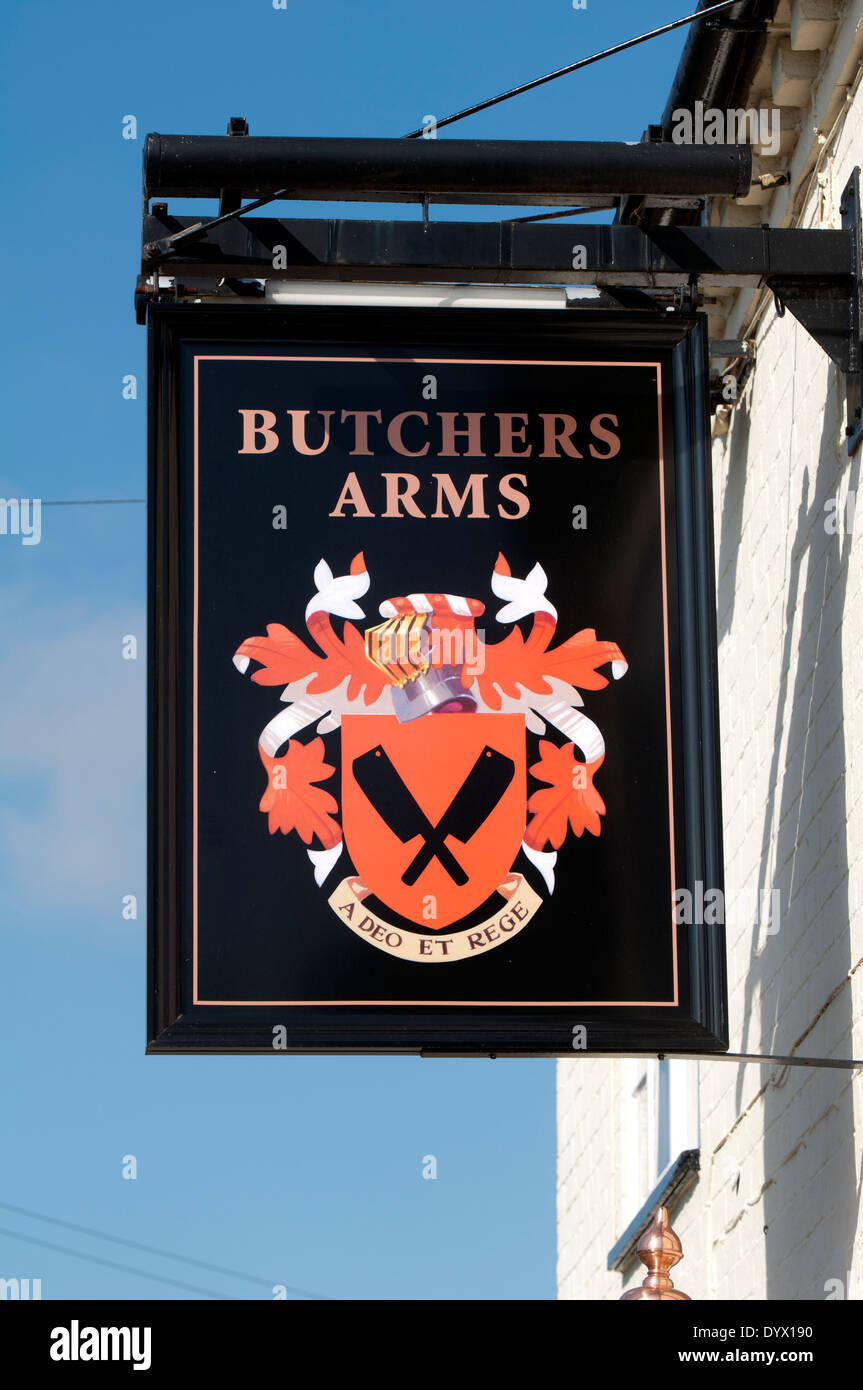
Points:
x=72 y=712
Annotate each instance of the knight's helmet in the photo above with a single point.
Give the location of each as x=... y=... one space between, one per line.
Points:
x=428 y=648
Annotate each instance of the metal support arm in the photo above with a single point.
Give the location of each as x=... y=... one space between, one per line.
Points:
x=537 y=172
x=814 y=273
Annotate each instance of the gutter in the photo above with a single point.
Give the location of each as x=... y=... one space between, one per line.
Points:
x=717 y=65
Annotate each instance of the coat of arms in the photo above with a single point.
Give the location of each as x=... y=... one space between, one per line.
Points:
x=435 y=724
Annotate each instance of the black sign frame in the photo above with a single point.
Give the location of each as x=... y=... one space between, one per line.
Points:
x=698 y=1021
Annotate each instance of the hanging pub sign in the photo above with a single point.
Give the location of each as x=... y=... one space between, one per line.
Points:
x=433 y=734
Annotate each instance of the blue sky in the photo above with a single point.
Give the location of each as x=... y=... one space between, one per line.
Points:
x=300 y=1171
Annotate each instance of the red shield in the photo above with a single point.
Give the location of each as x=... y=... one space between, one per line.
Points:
x=434 y=809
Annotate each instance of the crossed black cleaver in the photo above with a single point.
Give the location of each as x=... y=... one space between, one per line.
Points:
x=472 y=804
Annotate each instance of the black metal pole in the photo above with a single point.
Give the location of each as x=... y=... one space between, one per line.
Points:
x=388 y=170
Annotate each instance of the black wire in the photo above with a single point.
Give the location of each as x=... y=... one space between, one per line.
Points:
x=154 y=1250
x=112 y=1264
x=199 y=229
x=567 y=212
x=837 y=1063
x=571 y=67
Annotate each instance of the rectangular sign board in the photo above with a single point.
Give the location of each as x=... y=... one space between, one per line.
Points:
x=433 y=729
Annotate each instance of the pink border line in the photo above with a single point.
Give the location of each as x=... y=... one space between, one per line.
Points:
x=432 y=1003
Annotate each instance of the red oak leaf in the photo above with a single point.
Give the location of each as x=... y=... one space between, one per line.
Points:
x=345 y=657
x=570 y=801
x=291 y=799
x=515 y=662
x=283 y=657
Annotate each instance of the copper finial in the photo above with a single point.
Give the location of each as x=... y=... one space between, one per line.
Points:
x=659 y=1249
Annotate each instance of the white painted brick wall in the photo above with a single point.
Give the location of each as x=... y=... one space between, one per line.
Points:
x=790 y=602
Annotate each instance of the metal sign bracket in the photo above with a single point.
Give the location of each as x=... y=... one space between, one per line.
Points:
x=815 y=273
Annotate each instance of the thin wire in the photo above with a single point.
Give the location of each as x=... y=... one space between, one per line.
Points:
x=201 y=228
x=839 y=1063
x=113 y=1264
x=567 y=212
x=154 y=1250
x=95 y=502
x=571 y=67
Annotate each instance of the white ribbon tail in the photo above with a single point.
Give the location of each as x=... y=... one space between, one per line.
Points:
x=544 y=860
x=289 y=722
x=577 y=727
x=323 y=861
